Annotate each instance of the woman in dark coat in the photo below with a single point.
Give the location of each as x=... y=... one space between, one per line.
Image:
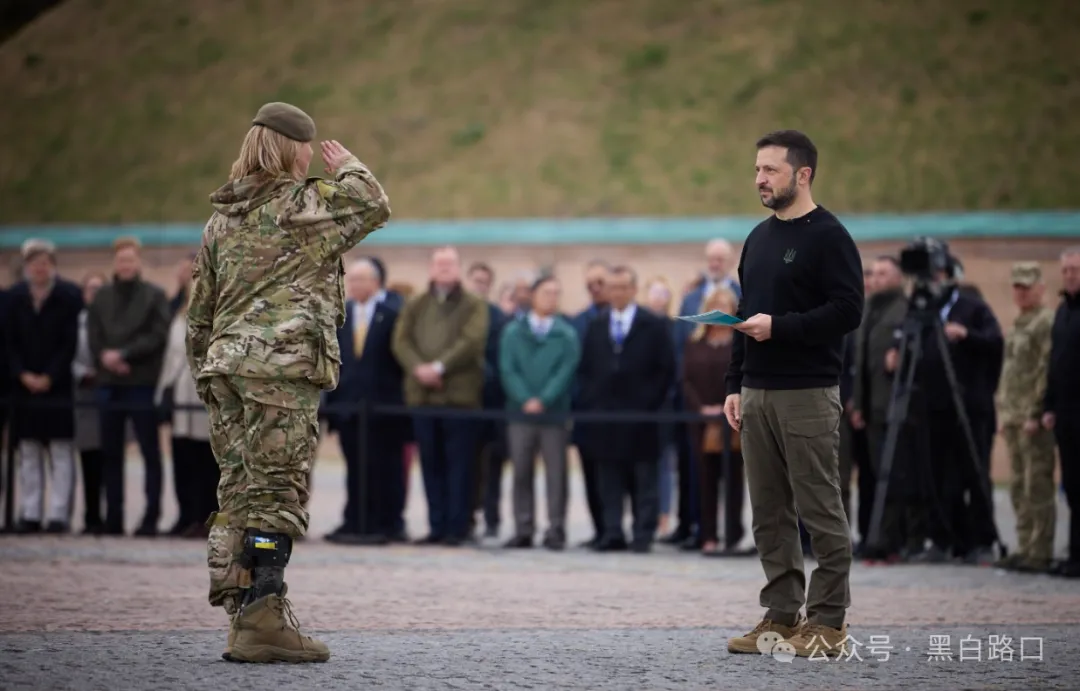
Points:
x=40 y=335
x=705 y=364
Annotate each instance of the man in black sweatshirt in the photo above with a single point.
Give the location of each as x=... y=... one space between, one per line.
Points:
x=1062 y=405
x=802 y=294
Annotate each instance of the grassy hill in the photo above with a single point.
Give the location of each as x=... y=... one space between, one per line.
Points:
x=123 y=111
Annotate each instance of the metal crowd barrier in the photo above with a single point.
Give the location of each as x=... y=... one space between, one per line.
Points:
x=362 y=412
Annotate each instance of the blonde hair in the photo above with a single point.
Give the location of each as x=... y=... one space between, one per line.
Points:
x=663 y=282
x=267 y=154
x=720 y=296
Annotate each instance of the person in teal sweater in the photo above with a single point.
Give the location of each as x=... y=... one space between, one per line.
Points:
x=538 y=357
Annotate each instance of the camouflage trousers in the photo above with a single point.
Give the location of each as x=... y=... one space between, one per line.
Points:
x=264 y=435
x=1032 y=490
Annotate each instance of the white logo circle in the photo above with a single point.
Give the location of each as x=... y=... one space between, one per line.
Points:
x=767 y=641
x=783 y=652
x=772 y=643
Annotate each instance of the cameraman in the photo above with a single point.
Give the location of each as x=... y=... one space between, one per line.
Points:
x=955 y=525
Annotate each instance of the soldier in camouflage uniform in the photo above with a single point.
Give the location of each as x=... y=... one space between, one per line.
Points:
x=266 y=300
x=1020 y=405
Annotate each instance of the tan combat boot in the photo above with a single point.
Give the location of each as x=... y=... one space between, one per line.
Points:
x=227 y=654
x=817 y=639
x=749 y=642
x=267 y=631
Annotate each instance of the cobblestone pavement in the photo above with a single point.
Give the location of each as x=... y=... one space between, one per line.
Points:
x=128 y=613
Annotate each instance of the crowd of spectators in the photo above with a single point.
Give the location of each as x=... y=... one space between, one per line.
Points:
x=90 y=367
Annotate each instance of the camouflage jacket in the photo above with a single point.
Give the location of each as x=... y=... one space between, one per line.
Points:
x=1027 y=359
x=267 y=291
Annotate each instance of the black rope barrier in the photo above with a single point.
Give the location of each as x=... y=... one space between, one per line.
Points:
x=361 y=412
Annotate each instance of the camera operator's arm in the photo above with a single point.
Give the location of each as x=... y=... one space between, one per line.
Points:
x=842 y=281
x=983 y=333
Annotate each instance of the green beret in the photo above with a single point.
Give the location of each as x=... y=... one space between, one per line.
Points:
x=286 y=120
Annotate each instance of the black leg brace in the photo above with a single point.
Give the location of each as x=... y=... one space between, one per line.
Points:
x=265 y=557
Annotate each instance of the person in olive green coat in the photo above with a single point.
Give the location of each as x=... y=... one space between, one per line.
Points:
x=538 y=358
x=439 y=341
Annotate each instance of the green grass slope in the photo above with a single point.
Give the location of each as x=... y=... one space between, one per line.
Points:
x=118 y=111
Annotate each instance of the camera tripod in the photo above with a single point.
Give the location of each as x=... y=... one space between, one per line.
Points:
x=922 y=317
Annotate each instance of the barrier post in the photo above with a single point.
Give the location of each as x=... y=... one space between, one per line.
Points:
x=9 y=468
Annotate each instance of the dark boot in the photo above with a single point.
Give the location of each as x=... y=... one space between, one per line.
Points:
x=28 y=527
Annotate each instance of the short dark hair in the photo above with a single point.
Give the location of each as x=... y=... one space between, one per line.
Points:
x=801 y=152
x=480 y=266
x=544 y=278
x=624 y=269
x=380 y=268
x=890 y=259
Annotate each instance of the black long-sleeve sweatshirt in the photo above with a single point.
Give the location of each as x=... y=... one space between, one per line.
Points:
x=807 y=274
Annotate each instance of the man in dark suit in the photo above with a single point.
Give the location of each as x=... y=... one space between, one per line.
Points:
x=369 y=374
x=395 y=301
x=596 y=275
x=627 y=364
x=491 y=435
x=390 y=298
x=986 y=427
x=719 y=259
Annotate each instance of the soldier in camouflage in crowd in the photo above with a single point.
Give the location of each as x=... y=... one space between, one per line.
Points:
x=267 y=297
x=1020 y=407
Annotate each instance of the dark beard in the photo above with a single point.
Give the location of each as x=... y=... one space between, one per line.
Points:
x=782 y=198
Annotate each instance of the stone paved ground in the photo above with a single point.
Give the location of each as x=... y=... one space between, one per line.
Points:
x=84 y=613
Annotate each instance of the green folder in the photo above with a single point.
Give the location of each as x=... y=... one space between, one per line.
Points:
x=716 y=317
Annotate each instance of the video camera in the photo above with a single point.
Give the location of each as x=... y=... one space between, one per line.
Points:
x=924 y=260
x=924 y=257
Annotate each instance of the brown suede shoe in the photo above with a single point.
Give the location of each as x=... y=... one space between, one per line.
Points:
x=749 y=643
x=267 y=631
x=817 y=640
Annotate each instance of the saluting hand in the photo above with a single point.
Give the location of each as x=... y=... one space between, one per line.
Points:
x=334 y=154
